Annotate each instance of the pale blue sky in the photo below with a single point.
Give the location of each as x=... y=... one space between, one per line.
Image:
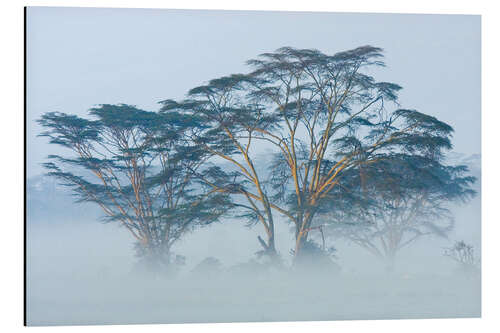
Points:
x=80 y=57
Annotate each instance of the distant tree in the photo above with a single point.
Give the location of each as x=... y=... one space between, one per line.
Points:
x=139 y=167
x=463 y=254
x=391 y=203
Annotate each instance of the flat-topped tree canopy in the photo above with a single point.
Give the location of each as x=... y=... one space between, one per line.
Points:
x=322 y=114
x=393 y=201
x=140 y=168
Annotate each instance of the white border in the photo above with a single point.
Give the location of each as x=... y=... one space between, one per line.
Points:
x=11 y=194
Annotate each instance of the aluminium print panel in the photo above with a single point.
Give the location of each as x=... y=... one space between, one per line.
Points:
x=195 y=166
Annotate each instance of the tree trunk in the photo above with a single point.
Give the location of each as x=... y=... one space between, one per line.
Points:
x=154 y=260
x=301 y=232
x=269 y=246
x=300 y=241
x=390 y=260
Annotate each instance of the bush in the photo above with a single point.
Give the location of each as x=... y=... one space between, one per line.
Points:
x=463 y=254
x=208 y=266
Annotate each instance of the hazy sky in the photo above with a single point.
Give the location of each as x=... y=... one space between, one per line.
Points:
x=80 y=57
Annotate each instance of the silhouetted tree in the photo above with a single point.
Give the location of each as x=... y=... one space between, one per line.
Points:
x=333 y=117
x=390 y=203
x=323 y=115
x=139 y=167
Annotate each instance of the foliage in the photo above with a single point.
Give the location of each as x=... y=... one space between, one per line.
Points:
x=396 y=200
x=139 y=168
x=323 y=115
x=346 y=159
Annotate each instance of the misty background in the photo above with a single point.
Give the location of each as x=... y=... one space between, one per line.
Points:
x=77 y=58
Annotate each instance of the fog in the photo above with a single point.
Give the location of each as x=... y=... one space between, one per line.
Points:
x=84 y=272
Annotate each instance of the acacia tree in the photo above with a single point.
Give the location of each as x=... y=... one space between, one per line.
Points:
x=323 y=114
x=232 y=124
x=334 y=117
x=138 y=166
x=391 y=203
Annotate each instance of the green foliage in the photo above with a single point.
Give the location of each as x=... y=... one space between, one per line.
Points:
x=393 y=201
x=343 y=153
x=326 y=118
x=140 y=168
